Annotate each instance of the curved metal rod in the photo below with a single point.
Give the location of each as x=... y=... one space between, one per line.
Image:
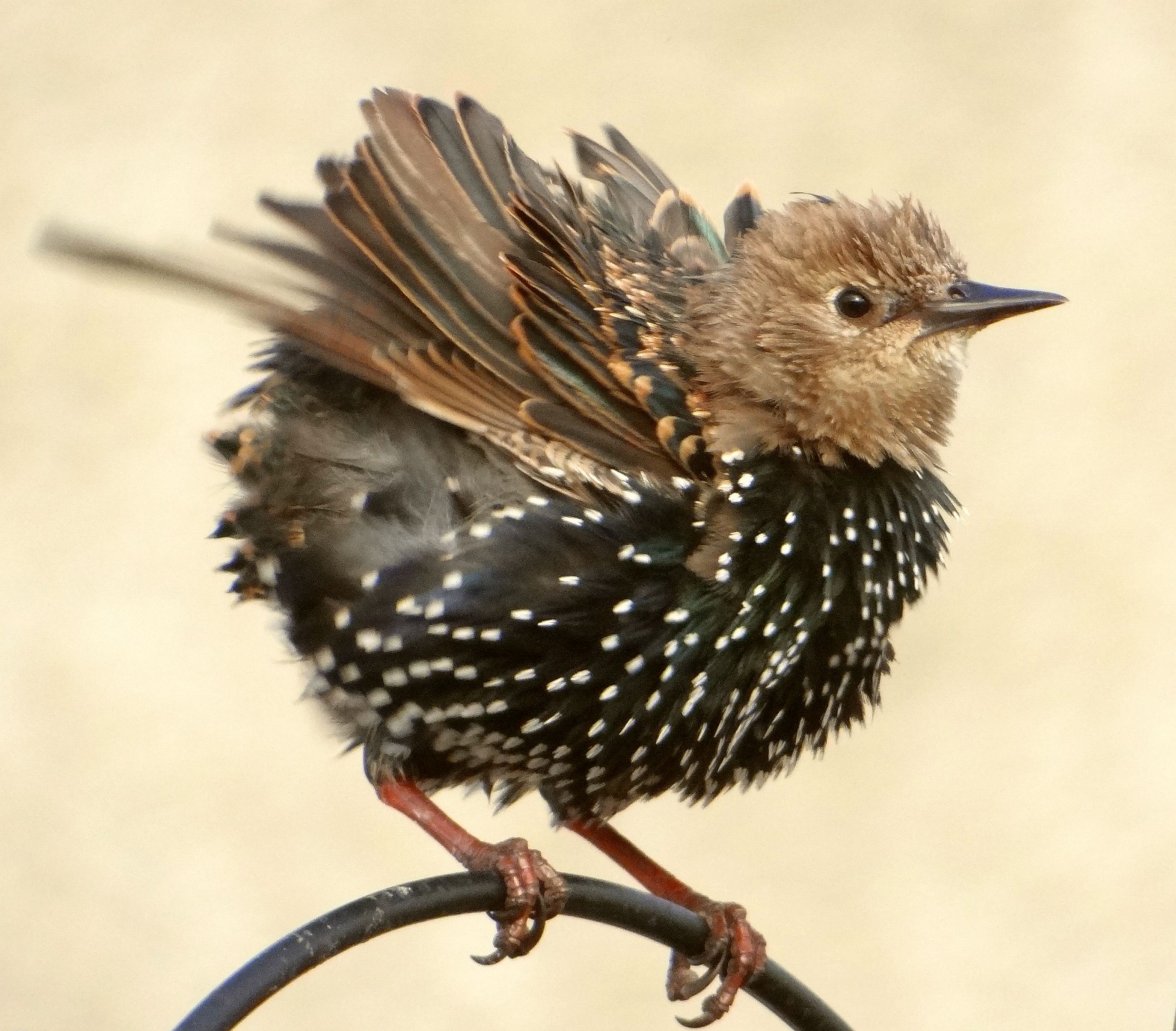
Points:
x=453 y=894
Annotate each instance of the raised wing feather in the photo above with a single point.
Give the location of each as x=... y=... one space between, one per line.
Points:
x=446 y=265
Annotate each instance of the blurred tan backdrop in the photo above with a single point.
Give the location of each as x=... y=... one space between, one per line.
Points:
x=998 y=850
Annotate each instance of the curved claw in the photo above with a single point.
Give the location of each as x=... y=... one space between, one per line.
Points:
x=682 y=985
x=712 y=1010
x=534 y=892
x=705 y=1018
x=516 y=936
x=734 y=948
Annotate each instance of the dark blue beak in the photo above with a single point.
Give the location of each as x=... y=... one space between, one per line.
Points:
x=978 y=304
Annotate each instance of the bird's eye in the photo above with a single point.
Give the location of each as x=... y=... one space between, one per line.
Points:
x=852 y=303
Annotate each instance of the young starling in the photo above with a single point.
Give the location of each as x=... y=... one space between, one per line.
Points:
x=560 y=490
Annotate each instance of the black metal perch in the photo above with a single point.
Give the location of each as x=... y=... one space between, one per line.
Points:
x=453 y=894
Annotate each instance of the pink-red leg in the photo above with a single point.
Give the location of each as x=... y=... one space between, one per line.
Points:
x=734 y=949
x=534 y=890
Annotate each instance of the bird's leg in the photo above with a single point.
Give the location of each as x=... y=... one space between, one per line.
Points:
x=734 y=949
x=534 y=890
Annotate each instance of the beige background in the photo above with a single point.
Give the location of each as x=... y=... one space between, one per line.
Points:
x=998 y=850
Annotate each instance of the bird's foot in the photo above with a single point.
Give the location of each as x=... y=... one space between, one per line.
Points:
x=535 y=892
x=735 y=952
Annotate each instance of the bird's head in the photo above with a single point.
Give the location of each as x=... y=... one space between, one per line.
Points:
x=841 y=328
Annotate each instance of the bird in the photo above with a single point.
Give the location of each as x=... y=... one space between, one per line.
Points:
x=563 y=489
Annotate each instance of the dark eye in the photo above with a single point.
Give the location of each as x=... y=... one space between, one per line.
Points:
x=852 y=303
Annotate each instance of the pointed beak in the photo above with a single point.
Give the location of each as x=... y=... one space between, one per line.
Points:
x=975 y=305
